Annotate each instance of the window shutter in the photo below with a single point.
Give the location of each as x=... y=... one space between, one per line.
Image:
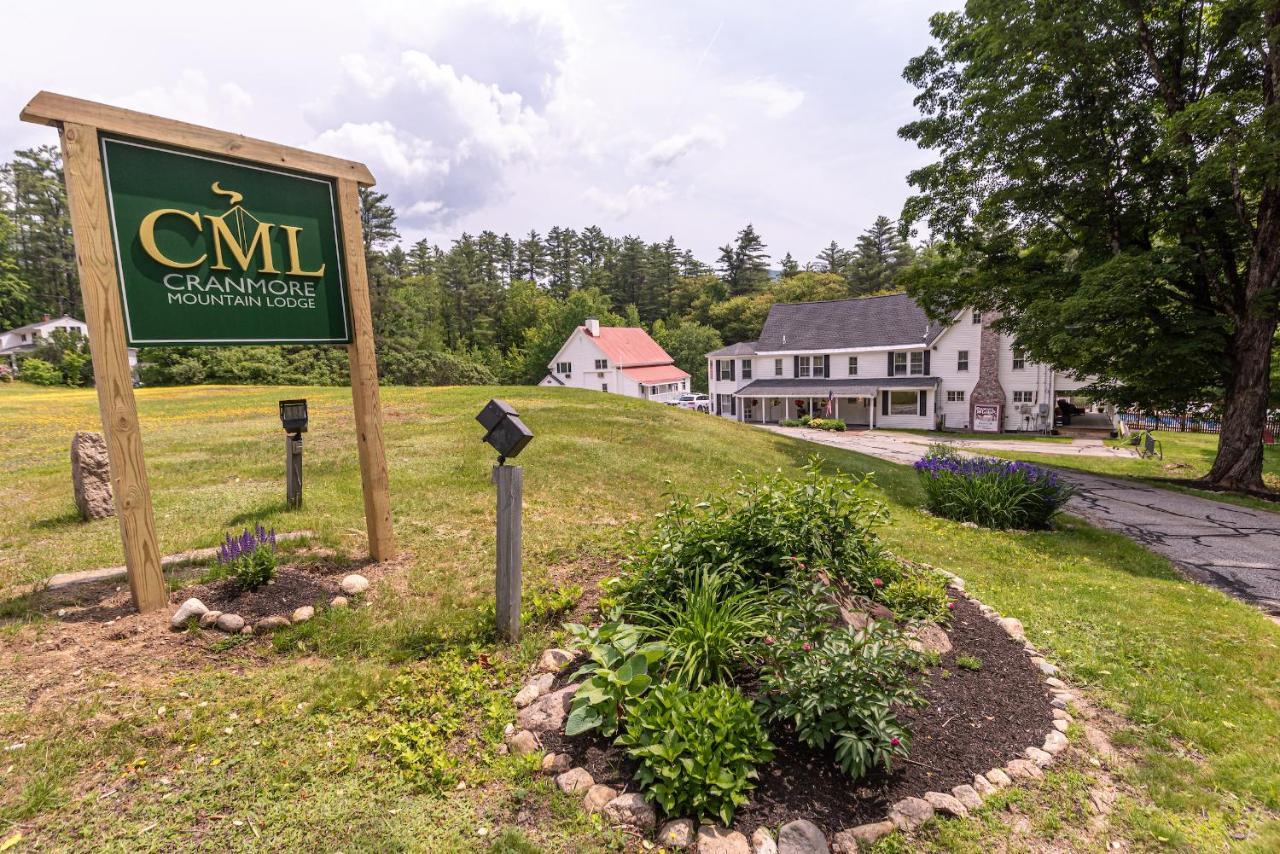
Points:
x=884 y=401
x=924 y=400
x=795 y=367
x=826 y=366
x=890 y=364
x=926 y=363
x=731 y=371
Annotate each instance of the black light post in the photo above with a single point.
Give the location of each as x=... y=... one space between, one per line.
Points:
x=293 y=416
x=508 y=435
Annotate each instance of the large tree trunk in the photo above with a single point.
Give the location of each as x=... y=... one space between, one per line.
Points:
x=1239 y=461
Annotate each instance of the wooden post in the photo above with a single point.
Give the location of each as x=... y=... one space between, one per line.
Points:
x=510 y=483
x=96 y=262
x=293 y=471
x=364 y=378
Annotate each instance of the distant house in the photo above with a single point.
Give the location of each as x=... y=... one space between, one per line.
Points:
x=880 y=362
x=16 y=343
x=616 y=359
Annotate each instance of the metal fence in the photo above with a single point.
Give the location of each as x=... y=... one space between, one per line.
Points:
x=1184 y=423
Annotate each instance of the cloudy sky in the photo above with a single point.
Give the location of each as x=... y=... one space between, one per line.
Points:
x=648 y=118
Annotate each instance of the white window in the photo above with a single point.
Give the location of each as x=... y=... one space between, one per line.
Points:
x=955 y=397
x=917 y=363
x=746 y=369
x=724 y=369
x=899 y=363
x=565 y=368
x=1019 y=359
x=602 y=364
x=853 y=366
x=962 y=360
x=1023 y=396
x=904 y=402
x=777 y=367
x=804 y=366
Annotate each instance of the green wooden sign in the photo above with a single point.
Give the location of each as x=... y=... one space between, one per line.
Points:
x=215 y=251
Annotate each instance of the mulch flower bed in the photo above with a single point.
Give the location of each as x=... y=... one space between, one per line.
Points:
x=974 y=720
x=291 y=588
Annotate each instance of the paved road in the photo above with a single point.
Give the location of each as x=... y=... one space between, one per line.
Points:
x=1236 y=549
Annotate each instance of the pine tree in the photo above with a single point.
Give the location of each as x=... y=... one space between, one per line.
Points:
x=378 y=219
x=833 y=259
x=43 y=250
x=877 y=259
x=744 y=265
x=531 y=258
x=789 y=266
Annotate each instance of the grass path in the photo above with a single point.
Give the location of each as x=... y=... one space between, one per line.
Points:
x=283 y=745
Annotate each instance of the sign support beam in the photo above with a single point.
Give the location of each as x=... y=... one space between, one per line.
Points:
x=96 y=261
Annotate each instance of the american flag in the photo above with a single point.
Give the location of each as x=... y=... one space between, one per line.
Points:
x=831 y=402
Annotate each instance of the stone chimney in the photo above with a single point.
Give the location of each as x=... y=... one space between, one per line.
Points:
x=593 y=327
x=988 y=391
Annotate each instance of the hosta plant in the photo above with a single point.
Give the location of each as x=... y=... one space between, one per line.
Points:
x=841 y=690
x=618 y=671
x=697 y=751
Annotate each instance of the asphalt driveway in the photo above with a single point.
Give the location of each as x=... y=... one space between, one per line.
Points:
x=1233 y=548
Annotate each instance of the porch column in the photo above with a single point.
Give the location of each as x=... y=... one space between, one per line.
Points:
x=786 y=409
x=872 y=406
x=762 y=416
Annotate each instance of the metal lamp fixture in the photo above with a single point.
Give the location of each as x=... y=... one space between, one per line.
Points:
x=505 y=431
x=293 y=415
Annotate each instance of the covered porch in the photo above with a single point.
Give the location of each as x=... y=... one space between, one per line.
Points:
x=854 y=401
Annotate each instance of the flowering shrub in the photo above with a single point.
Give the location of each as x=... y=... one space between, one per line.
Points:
x=836 y=424
x=841 y=689
x=249 y=559
x=696 y=751
x=990 y=492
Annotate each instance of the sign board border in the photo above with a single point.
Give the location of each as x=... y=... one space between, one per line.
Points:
x=103 y=139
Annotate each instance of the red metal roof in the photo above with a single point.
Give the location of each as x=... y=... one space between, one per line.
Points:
x=629 y=346
x=656 y=374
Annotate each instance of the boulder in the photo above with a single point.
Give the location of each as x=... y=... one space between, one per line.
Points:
x=762 y=842
x=187 y=610
x=981 y=785
x=597 y=796
x=1039 y=756
x=91 y=476
x=714 y=839
x=556 y=763
x=354 y=584
x=339 y=602
x=1055 y=742
x=945 y=804
x=554 y=660
x=861 y=837
x=547 y=712
x=1023 y=769
x=230 y=623
x=998 y=778
x=534 y=688
x=267 y=625
x=524 y=743
x=677 y=833
x=1062 y=715
x=930 y=638
x=967 y=795
x=802 y=837
x=1045 y=667
x=910 y=813
x=575 y=780
x=632 y=810
x=1013 y=628
x=1054 y=682
x=1060 y=725
x=209 y=618
x=301 y=615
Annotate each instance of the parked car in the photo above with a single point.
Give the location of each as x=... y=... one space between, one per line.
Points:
x=690 y=400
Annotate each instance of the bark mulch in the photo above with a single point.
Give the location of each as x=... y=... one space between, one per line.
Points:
x=972 y=721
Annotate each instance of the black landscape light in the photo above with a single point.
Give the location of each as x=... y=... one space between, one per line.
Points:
x=505 y=431
x=293 y=415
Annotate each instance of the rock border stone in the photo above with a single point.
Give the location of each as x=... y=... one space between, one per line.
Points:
x=631 y=810
x=193 y=609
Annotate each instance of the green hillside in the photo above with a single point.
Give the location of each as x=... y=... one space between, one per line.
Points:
x=282 y=745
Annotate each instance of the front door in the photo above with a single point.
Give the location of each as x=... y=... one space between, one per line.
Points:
x=856 y=411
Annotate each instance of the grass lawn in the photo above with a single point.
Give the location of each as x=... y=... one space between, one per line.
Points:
x=374 y=728
x=1186 y=456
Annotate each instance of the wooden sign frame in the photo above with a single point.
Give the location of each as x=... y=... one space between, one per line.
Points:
x=80 y=124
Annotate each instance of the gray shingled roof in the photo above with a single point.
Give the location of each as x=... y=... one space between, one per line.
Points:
x=746 y=348
x=883 y=321
x=841 y=387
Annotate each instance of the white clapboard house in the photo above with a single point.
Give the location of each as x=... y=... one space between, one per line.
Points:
x=616 y=359
x=880 y=362
x=22 y=341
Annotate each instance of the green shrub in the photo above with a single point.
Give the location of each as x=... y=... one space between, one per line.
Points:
x=696 y=751
x=969 y=662
x=917 y=594
x=791 y=422
x=835 y=424
x=39 y=372
x=768 y=529
x=804 y=420
x=618 y=671
x=708 y=630
x=990 y=492
x=841 y=690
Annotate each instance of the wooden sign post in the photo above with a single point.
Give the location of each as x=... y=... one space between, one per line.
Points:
x=187 y=235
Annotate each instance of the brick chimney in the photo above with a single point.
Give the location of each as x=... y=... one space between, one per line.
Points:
x=988 y=391
x=593 y=327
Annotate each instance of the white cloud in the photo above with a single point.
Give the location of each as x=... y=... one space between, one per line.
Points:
x=617 y=205
x=191 y=96
x=668 y=150
x=776 y=99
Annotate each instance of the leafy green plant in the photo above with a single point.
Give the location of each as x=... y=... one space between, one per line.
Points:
x=835 y=424
x=969 y=662
x=618 y=671
x=249 y=559
x=842 y=690
x=917 y=594
x=696 y=751
x=543 y=605
x=990 y=492
x=791 y=422
x=708 y=630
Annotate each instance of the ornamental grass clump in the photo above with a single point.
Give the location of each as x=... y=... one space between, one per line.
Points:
x=990 y=492
x=249 y=560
